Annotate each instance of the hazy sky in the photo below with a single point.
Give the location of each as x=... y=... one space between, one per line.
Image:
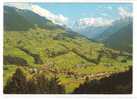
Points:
x=82 y=10
x=69 y=13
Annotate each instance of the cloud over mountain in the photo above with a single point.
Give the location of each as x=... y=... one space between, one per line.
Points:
x=57 y=19
x=103 y=20
x=124 y=13
x=95 y=22
x=104 y=16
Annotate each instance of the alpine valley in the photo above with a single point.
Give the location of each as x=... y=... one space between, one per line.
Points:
x=41 y=57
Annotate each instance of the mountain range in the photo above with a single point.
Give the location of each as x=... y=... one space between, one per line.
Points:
x=118 y=35
x=25 y=19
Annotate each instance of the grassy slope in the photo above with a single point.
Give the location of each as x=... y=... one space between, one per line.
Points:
x=71 y=58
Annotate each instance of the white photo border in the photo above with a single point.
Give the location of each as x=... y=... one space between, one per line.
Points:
x=73 y=96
